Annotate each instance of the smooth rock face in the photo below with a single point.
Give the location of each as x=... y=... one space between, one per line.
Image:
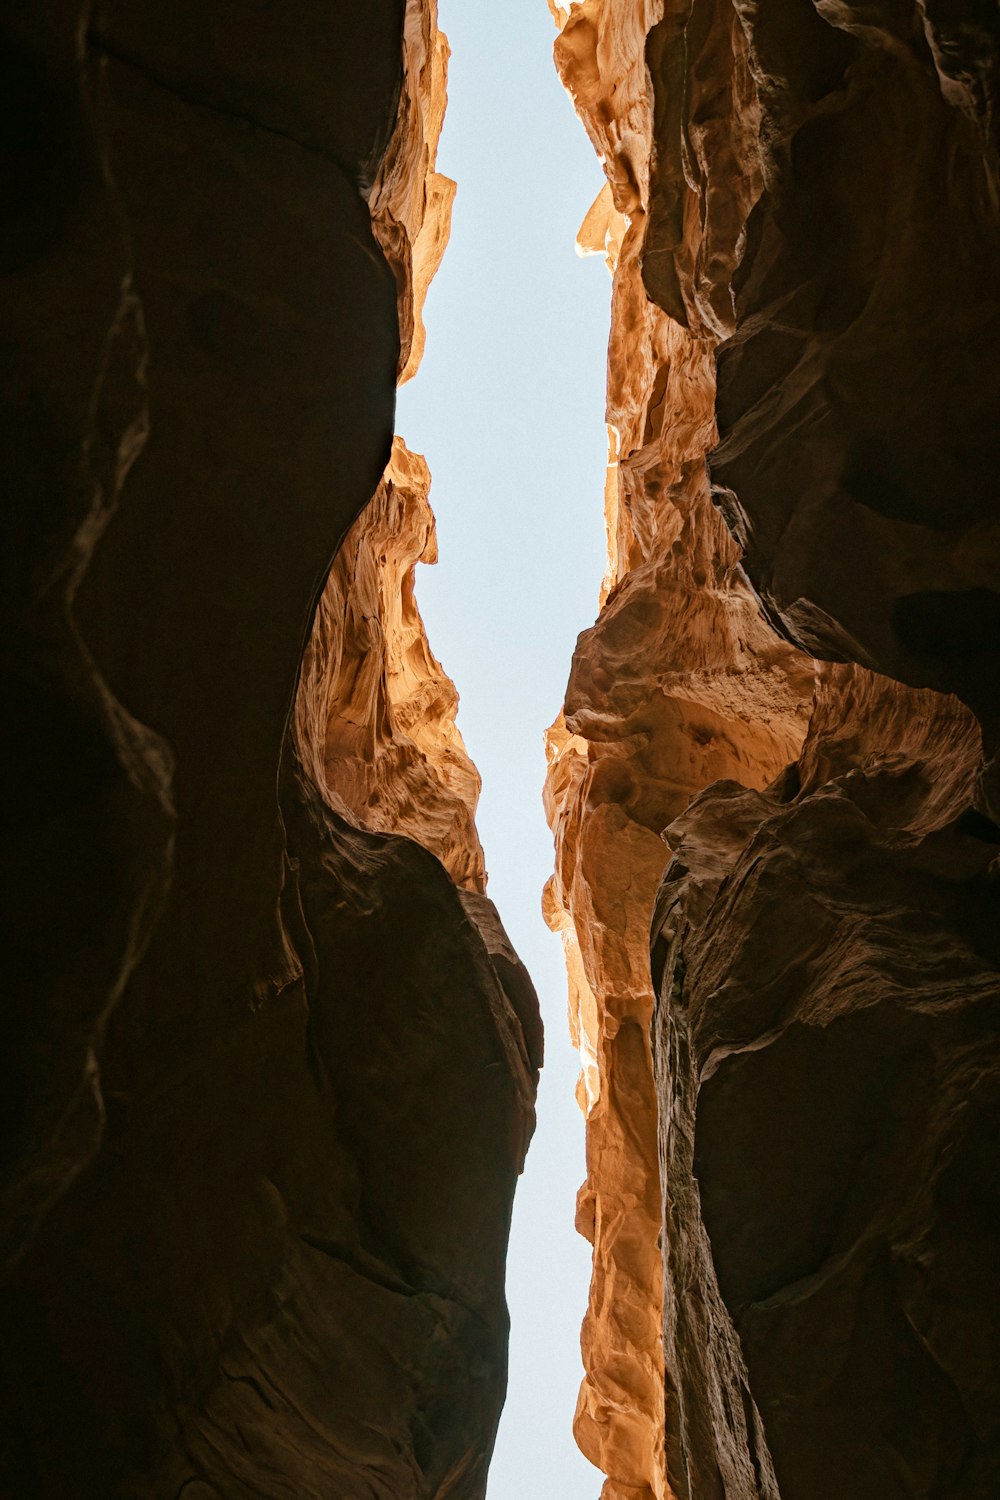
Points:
x=801 y=220
x=266 y=1079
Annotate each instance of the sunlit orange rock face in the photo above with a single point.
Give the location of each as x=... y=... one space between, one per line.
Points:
x=800 y=217
x=410 y=201
x=679 y=683
x=268 y=1058
x=375 y=710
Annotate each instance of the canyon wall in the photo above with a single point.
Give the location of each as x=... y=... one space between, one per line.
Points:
x=784 y=1103
x=827 y=958
x=269 y=1060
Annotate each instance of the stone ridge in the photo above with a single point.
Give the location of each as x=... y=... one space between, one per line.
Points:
x=410 y=200
x=826 y=960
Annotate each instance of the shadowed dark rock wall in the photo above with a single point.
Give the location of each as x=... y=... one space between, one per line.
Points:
x=826 y=1056
x=828 y=1064
x=265 y=1093
x=824 y=195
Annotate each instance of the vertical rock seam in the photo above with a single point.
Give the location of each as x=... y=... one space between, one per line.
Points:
x=270 y=1060
x=786 y=1091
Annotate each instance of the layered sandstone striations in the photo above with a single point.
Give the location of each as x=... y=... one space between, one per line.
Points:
x=801 y=219
x=266 y=1078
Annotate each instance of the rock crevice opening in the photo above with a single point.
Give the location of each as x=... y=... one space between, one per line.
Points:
x=269 y=1058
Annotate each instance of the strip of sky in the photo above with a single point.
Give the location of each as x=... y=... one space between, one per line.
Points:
x=508 y=408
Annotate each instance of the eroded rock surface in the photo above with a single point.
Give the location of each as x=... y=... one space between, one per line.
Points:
x=801 y=219
x=375 y=712
x=268 y=1072
x=680 y=682
x=824 y=195
x=827 y=1070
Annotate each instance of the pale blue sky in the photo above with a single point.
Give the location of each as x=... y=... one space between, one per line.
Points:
x=508 y=408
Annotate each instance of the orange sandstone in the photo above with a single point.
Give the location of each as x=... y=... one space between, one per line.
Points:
x=679 y=683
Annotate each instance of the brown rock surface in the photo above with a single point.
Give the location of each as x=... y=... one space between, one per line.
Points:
x=266 y=1082
x=825 y=189
x=679 y=682
x=827 y=1063
x=375 y=712
x=801 y=221
x=410 y=200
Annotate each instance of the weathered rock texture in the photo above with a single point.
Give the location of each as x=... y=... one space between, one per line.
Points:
x=266 y=1083
x=829 y=1086
x=801 y=219
x=375 y=713
x=679 y=683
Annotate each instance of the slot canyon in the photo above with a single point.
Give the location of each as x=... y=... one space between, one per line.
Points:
x=270 y=1058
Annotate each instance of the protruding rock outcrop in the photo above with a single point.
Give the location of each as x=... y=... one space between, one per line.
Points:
x=800 y=216
x=268 y=1069
x=411 y=200
x=375 y=712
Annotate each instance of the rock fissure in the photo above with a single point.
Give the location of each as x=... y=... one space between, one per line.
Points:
x=104 y=48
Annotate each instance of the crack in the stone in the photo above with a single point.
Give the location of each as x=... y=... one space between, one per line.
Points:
x=386 y=1280
x=188 y=96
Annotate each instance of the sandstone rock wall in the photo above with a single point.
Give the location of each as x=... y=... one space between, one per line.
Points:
x=268 y=1071
x=679 y=683
x=375 y=712
x=800 y=217
x=827 y=958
